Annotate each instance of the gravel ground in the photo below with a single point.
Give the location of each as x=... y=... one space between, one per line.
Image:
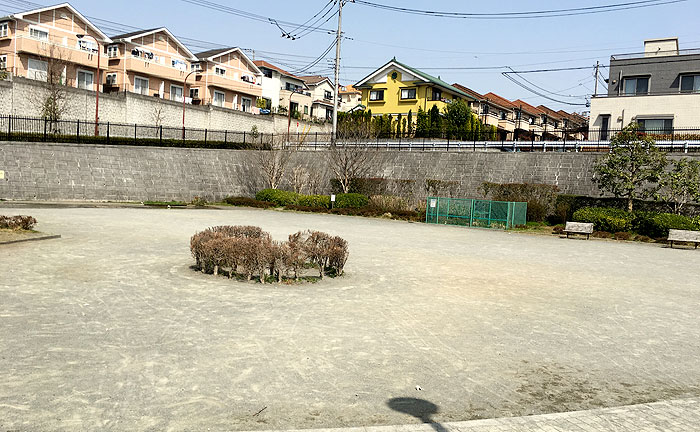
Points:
x=109 y=328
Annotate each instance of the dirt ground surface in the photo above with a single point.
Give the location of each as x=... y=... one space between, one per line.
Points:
x=109 y=328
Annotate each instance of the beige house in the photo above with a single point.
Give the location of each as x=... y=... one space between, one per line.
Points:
x=321 y=90
x=226 y=78
x=350 y=98
x=149 y=62
x=54 y=41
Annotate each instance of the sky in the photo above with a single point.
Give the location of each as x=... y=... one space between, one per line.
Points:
x=439 y=46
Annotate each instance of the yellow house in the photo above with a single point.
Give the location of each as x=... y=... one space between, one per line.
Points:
x=396 y=88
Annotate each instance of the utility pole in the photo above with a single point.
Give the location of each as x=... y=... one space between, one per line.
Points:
x=595 y=92
x=338 y=38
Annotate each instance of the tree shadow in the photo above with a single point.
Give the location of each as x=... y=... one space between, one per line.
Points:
x=421 y=409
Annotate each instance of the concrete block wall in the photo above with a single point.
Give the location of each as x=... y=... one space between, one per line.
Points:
x=42 y=171
x=23 y=97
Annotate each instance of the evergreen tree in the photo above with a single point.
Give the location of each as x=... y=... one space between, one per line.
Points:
x=422 y=123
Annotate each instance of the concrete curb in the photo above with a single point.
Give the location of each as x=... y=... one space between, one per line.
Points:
x=46 y=237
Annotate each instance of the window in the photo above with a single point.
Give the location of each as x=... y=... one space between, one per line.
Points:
x=219 y=98
x=113 y=51
x=656 y=125
x=3 y=62
x=437 y=94
x=87 y=45
x=141 y=85
x=194 y=93
x=37 y=70
x=195 y=67
x=220 y=71
x=503 y=115
x=111 y=79
x=484 y=109
x=3 y=29
x=38 y=33
x=246 y=104
x=290 y=87
x=176 y=93
x=690 y=84
x=408 y=93
x=531 y=120
x=85 y=80
x=178 y=64
x=306 y=109
x=267 y=72
x=636 y=86
x=376 y=95
x=327 y=95
x=518 y=115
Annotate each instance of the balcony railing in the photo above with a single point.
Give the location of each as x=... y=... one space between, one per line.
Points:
x=642 y=55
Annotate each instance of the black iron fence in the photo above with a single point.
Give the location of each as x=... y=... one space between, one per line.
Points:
x=13 y=128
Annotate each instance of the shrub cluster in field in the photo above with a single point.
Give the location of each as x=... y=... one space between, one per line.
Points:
x=650 y=224
x=17 y=222
x=249 y=251
x=283 y=198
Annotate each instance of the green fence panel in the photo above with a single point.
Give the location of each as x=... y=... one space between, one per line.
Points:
x=475 y=213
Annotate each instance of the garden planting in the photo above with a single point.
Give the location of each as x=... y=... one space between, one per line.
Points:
x=248 y=252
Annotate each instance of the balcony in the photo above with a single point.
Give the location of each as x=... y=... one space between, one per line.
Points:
x=235 y=85
x=139 y=65
x=70 y=54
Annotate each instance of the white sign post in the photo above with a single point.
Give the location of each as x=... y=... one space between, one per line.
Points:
x=433 y=203
x=332 y=200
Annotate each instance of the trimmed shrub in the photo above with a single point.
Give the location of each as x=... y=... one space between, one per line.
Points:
x=247 y=202
x=605 y=219
x=351 y=200
x=279 y=197
x=388 y=203
x=323 y=201
x=657 y=225
x=17 y=222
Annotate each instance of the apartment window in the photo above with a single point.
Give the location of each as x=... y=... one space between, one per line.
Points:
x=38 y=33
x=376 y=95
x=37 y=70
x=408 y=93
x=194 y=93
x=111 y=79
x=176 y=93
x=437 y=95
x=195 y=67
x=246 y=104
x=219 y=98
x=85 y=80
x=113 y=51
x=87 y=45
x=141 y=85
x=3 y=62
x=531 y=120
x=484 y=109
x=267 y=73
x=178 y=64
x=556 y=124
x=518 y=115
x=3 y=29
x=652 y=125
x=690 y=84
x=636 y=86
x=327 y=95
x=503 y=115
x=220 y=71
x=306 y=109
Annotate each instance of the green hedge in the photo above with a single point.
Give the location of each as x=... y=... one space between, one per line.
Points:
x=323 y=201
x=279 y=197
x=247 y=202
x=655 y=225
x=351 y=200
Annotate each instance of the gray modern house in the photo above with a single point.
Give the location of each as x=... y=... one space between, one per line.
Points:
x=659 y=89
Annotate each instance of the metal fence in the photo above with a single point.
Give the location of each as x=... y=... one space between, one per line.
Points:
x=475 y=213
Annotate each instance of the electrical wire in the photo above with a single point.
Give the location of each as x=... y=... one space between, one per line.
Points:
x=538 y=93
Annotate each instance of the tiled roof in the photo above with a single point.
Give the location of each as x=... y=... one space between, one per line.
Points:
x=498 y=100
x=313 y=79
x=350 y=90
x=263 y=63
x=526 y=107
x=550 y=112
x=468 y=91
x=135 y=33
x=436 y=81
x=211 y=53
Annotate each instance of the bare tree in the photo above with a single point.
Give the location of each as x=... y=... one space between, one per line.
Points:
x=157 y=115
x=300 y=177
x=52 y=102
x=273 y=165
x=350 y=162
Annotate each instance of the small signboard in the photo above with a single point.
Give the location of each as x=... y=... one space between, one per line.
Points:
x=2 y=175
x=433 y=203
x=332 y=198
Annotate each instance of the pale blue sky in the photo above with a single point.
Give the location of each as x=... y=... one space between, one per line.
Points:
x=423 y=42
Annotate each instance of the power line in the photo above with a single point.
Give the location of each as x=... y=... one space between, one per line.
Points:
x=524 y=15
x=538 y=93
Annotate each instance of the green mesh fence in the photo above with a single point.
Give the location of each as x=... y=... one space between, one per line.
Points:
x=475 y=213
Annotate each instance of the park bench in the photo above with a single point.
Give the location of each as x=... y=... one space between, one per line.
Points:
x=579 y=228
x=675 y=235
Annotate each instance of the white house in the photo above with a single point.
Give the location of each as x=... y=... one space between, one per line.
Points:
x=282 y=90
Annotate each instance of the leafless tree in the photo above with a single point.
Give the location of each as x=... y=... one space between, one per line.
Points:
x=157 y=115
x=300 y=177
x=350 y=162
x=273 y=165
x=52 y=102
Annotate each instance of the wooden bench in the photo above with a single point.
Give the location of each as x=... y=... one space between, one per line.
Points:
x=579 y=228
x=675 y=235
